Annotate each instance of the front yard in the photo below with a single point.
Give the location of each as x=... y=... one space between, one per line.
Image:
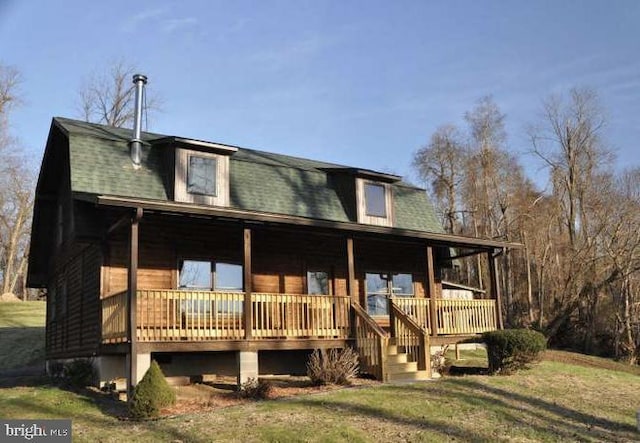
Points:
x=555 y=401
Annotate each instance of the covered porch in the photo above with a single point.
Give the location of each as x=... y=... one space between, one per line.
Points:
x=298 y=287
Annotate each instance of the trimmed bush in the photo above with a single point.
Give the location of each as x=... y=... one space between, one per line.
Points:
x=333 y=367
x=512 y=349
x=80 y=373
x=256 y=389
x=151 y=394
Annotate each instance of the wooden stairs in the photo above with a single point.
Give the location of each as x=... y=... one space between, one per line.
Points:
x=399 y=369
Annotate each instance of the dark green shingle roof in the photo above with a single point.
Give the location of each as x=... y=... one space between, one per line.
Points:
x=259 y=181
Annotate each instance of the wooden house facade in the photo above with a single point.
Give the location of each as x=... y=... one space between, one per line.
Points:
x=214 y=259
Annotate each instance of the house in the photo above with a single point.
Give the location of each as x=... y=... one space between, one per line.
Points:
x=215 y=259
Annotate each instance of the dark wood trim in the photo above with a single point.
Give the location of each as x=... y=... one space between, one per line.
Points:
x=255 y=216
x=466 y=254
x=242 y=345
x=123 y=221
x=431 y=288
x=248 y=284
x=495 y=288
x=132 y=289
x=351 y=272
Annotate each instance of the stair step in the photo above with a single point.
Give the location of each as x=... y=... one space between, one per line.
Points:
x=409 y=376
x=392 y=349
x=396 y=368
x=396 y=358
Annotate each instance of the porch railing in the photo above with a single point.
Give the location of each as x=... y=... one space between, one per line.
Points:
x=114 y=318
x=416 y=308
x=371 y=342
x=288 y=315
x=175 y=315
x=166 y=315
x=465 y=316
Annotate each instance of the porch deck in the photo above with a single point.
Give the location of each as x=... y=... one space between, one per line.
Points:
x=203 y=316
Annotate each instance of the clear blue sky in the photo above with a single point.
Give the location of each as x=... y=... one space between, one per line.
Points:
x=362 y=83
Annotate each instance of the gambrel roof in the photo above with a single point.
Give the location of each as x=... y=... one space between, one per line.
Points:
x=259 y=181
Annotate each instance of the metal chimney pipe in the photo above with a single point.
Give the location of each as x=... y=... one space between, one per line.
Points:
x=135 y=145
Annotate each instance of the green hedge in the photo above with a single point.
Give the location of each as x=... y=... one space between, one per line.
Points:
x=512 y=349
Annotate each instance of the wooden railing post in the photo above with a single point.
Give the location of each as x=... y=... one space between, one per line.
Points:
x=132 y=290
x=495 y=287
x=248 y=285
x=351 y=271
x=383 y=343
x=431 y=282
x=392 y=317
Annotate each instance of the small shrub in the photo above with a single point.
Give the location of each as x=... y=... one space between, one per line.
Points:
x=332 y=367
x=439 y=362
x=255 y=389
x=80 y=373
x=512 y=349
x=151 y=394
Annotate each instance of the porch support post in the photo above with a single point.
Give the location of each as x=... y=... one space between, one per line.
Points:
x=431 y=283
x=351 y=271
x=495 y=287
x=132 y=290
x=248 y=285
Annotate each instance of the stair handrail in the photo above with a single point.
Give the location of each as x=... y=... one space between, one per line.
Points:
x=371 y=342
x=400 y=319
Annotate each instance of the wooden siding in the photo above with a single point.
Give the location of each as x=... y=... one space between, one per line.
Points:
x=74 y=328
x=363 y=217
x=280 y=259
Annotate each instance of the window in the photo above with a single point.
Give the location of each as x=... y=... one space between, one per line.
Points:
x=318 y=283
x=380 y=286
x=228 y=277
x=375 y=200
x=195 y=275
x=377 y=294
x=205 y=275
x=201 y=175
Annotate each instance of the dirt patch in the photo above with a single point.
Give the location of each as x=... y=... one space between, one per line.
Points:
x=589 y=361
x=222 y=393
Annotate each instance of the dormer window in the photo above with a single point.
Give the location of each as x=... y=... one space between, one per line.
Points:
x=375 y=200
x=201 y=171
x=375 y=203
x=201 y=175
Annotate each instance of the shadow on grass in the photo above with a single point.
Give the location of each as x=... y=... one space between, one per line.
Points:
x=21 y=347
x=529 y=412
x=448 y=429
x=91 y=411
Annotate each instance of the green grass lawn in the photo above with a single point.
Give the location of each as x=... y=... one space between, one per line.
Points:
x=554 y=401
x=568 y=397
x=21 y=334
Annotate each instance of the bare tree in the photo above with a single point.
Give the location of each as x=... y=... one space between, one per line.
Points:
x=441 y=164
x=108 y=98
x=16 y=195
